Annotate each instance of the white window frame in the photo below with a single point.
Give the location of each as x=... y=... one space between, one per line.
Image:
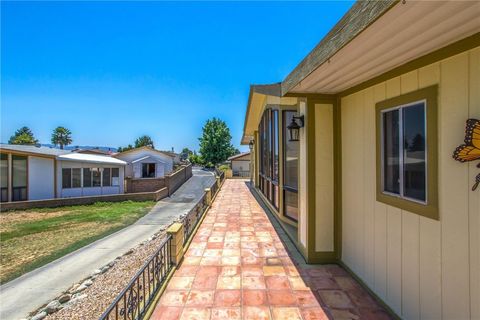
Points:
x=402 y=151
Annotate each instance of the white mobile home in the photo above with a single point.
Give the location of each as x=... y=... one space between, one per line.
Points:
x=35 y=173
x=80 y=174
x=145 y=163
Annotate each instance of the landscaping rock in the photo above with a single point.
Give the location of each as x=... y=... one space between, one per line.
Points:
x=39 y=316
x=64 y=298
x=87 y=283
x=105 y=268
x=74 y=288
x=91 y=301
x=97 y=271
x=53 y=306
x=129 y=252
x=80 y=288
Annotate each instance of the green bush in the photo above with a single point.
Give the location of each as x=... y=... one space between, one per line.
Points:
x=224 y=167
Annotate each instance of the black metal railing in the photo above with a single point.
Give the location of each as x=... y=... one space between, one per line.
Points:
x=193 y=217
x=135 y=299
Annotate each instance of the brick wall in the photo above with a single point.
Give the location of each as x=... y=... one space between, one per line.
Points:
x=144 y=185
x=171 y=181
x=175 y=180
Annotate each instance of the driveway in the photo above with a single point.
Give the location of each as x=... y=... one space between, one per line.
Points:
x=32 y=290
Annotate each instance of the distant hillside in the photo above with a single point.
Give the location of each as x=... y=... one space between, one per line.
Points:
x=72 y=147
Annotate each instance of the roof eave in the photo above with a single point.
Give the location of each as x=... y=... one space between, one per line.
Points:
x=361 y=15
x=273 y=89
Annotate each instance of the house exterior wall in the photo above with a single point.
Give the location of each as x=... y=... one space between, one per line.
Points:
x=166 y=161
x=324 y=178
x=241 y=165
x=421 y=267
x=41 y=181
x=90 y=191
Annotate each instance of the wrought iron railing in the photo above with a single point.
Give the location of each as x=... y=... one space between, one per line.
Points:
x=135 y=299
x=193 y=217
x=243 y=174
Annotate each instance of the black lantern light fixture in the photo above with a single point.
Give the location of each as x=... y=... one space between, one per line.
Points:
x=294 y=128
x=251 y=144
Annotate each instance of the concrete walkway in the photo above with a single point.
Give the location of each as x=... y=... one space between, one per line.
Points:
x=239 y=266
x=30 y=291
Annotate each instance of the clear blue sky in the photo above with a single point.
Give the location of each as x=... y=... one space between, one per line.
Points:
x=112 y=71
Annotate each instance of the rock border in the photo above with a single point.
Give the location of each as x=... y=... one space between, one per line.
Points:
x=74 y=294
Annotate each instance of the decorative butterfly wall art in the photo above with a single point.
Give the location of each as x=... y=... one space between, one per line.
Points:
x=470 y=151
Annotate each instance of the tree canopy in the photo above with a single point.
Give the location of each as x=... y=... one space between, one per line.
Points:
x=23 y=136
x=144 y=141
x=62 y=137
x=215 y=142
x=185 y=154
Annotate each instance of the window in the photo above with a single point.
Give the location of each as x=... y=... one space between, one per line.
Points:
x=96 y=175
x=406 y=152
x=76 y=178
x=148 y=170
x=115 y=177
x=87 y=178
x=106 y=182
x=4 y=176
x=290 y=171
x=66 y=178
x=19 y=178
x=269 y=151
x=71 y=178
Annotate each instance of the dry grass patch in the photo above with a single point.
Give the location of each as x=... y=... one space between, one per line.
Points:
x=32 y=238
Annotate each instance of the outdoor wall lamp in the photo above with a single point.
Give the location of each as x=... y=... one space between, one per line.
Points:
x=251 y=144
x=294 y=128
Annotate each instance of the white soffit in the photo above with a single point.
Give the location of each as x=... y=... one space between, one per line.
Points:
x=404 y=33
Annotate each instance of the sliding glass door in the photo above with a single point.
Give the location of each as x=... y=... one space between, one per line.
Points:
x=269 y=156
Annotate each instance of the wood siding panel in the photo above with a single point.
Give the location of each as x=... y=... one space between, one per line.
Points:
x=394 y=232
x=348 y=190
x=324 y=179
x=474 y=196
x=422 y=268
x=453 y=186
x=369 y=187
x=410 y=237
x=430 y=266
x=380 y=269
x=357 y=175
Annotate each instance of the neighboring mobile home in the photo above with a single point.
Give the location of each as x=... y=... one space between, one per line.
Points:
x=353 y=153
x=35 y=173
x=240 y=164
x=146 y=168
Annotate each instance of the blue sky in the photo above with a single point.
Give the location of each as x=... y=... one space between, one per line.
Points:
x=112 y=71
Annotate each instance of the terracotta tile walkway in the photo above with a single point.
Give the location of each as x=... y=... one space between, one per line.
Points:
x=238 y=268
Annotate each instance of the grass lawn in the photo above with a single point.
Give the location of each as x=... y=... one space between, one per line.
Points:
x=32 y=238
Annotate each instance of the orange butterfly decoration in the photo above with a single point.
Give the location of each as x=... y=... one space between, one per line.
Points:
x=470 y=151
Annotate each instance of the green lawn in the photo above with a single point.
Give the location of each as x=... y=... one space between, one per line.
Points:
x=32 y=238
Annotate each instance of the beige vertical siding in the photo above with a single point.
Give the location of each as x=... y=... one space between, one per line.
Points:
x=324 y=180
x=422 y=268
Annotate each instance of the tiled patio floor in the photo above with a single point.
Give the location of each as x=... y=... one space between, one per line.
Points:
x=238 y=268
